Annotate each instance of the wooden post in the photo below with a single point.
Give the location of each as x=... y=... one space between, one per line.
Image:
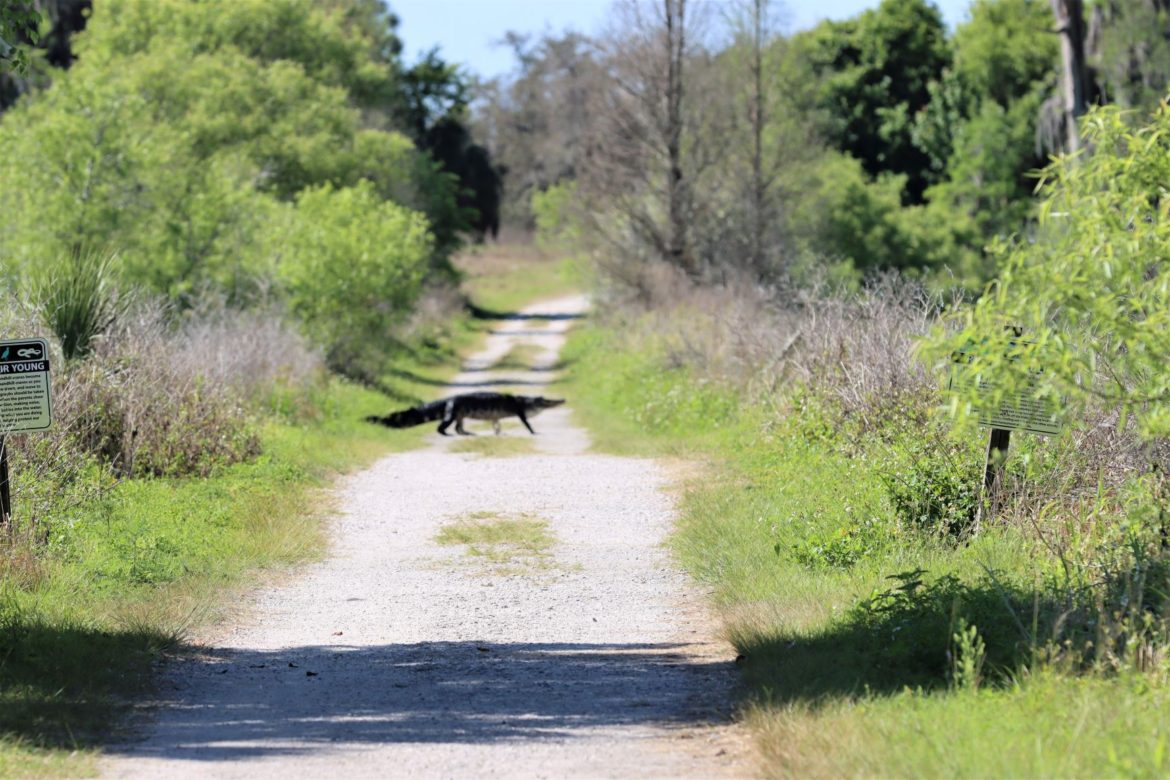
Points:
x=5 y=496
x=997 y=449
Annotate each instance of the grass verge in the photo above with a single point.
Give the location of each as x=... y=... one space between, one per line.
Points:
x=870 y=649
x=83 y=624
x=503 y=278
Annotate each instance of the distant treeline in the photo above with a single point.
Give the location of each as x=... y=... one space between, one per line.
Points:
x=700 y=134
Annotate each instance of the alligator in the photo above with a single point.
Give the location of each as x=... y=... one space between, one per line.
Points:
x=477 y=406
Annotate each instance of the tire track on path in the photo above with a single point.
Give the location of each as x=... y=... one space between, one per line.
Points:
x=396 y=657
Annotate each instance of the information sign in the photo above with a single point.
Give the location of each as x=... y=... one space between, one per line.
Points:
x=25 y=402
x=1023 y=411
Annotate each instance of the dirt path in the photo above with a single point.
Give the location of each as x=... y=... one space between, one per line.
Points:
x=401 y=657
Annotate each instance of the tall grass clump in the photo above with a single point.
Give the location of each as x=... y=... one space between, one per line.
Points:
x=79 y=299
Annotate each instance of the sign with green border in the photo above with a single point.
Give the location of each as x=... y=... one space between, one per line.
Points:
x=25 y=400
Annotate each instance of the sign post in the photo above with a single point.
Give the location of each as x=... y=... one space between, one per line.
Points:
x=25 y=401
x=5 y=496
x=1023 y=411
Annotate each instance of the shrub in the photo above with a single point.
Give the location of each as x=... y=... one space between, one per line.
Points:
x=842 y=547
x=933 y=481
x=354 y=264
x=78 y=300
x=1091 y=293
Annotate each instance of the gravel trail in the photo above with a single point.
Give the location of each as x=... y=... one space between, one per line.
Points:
x=401 y=657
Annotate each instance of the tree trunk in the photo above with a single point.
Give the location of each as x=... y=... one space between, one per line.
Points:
x=676 y=185
x=759 y=185
x=1070 y=24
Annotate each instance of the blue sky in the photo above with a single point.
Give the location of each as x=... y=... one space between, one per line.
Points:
x=465 y=30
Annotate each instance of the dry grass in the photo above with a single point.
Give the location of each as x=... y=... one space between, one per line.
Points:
x=248 y=352
x=759 y=338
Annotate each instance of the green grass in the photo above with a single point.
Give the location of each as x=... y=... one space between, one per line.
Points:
x=506 y=543
x=84 y=618
x=1046 y=726
x=793 y=525
x=83 y=621
x=507 y=277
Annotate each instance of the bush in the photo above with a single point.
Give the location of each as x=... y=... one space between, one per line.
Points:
x=79 y=300
x=842 y=547
x=353 y=267
x=1091 y=293
x=933 y=481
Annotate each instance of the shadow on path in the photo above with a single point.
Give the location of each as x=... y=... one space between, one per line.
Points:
x=489 y=314
x=256 y=703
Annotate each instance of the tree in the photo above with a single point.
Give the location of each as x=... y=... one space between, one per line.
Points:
x=436 y=114
x=1004 y=49
x=19 y=26
x=1070 y=26
x=874 y=77
x=536 y=123
x=659 y=131
x=980 y=126
x=177 y=153
x=753 y=23
x=1091 y=293
x=1128 y=44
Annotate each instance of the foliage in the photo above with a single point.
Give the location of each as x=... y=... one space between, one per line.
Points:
x=558 y=223
x=1004 y=48
x=351 y=267
x=19 y=21
x=933 y=482
x=436 y=96
x=1089 y=294
x=875 y=74
x=79 y=301
x=1131 y=55
x=184 y=169
x=315 y=36
x=538 y=119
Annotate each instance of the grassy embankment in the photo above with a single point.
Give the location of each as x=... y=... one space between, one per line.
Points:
x=502 y=278
x=860 y=659
x=83 y=622
x=85 y=617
